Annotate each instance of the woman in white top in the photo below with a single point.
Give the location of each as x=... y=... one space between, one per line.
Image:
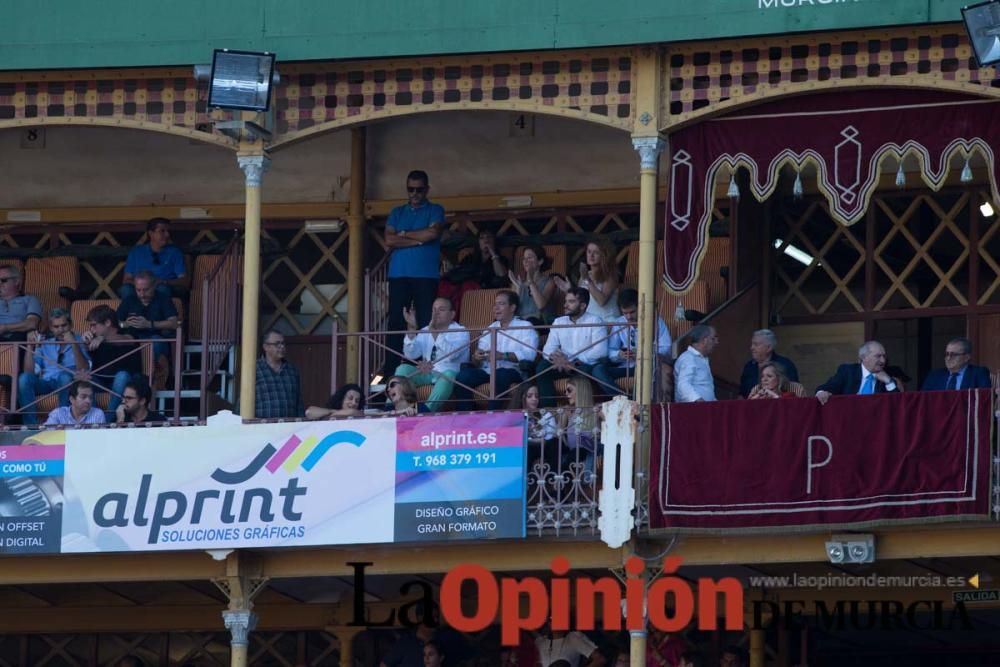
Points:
x=599 y=276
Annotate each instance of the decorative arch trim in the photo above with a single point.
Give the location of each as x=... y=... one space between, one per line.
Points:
x=704 y=79
x=593 y=85
x=123 y=123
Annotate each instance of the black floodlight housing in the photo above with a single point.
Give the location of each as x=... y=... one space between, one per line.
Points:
x=241 y=80
x=982 y=21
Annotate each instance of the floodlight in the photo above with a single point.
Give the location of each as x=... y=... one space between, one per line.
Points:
x=982 y=21
x=241 y=80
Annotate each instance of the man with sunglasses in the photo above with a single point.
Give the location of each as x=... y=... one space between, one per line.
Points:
x=958 y=373
x=160 y=257
x=412 y=235
x=19 y=313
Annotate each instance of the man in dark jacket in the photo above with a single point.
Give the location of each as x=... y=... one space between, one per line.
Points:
x=958 y=373
x=762 y=350
x=866 y=377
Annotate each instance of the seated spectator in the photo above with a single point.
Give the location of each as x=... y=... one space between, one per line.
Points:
x=691 y=659
x=149 y=314
x=80 y=410
x=692 y=373
x=20 y=313
x=733 y=656
x=348 y=401
x=536 y=291
x=483 y=268
x=774 y=383
x=161 y=258
x=54 y=363
x=599 y=276
x=623 y=341
x=578 y=420
x=762 y=350
x=434 y=655
x=571 y=348
x=436 y=353
x=958 y=373
x=517 y=342
x=278 y=393
x=866 y=377
x=543 y=435
x=114 y=357
x=403 y=398
x=134 y=408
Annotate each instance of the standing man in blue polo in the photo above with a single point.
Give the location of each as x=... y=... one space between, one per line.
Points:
x=413 y=236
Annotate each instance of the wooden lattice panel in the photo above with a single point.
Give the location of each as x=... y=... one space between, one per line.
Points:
x=703 y=78
x=824 y=286
x=927 y=251
x=593 y=85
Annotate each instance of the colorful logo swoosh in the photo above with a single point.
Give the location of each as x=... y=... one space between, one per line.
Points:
x=294 y=453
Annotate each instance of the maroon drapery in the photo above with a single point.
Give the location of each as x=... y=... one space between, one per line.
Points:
x=762 y=464
x=845 y=137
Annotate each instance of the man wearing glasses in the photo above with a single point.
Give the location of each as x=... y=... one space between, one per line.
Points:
x=278 y=394
x=19 y=313
x=958 y=373
x=160 y=257
x=134 y=408
x=412 y=235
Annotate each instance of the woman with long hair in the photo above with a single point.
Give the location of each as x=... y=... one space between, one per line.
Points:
x=599 y=276
x=578 y=419
x=543 y=435
x=348 y=401
x=534 y=288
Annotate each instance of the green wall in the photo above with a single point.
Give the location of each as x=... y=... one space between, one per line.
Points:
x=120 y=33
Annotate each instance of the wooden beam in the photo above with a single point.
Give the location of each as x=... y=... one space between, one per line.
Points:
x=323 y=210
x=180 y=618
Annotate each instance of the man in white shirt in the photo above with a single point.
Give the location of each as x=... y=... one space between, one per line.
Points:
x=576 y=344
x=516 y=341
x=623 y=342
x=692 y=373
x=437 y=352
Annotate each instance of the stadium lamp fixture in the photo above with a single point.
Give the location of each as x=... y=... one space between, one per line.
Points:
x=798 y=254
x=851 y=549
x=982 y=22
x=986 y=209
x=241 y=80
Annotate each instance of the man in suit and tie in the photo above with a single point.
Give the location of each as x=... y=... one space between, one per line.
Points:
x=958 y=373
x=866 y=377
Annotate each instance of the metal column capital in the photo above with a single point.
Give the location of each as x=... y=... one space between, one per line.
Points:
x=253 y=167
x=240 y=622
x=649 y=149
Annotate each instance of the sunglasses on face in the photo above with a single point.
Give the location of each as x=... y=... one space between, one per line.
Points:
x=417 y=190
x=7 y=279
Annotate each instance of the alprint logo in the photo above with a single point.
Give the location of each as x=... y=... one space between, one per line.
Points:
x=227 y=506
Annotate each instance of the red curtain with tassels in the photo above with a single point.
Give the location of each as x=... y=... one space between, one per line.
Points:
x=849 y=139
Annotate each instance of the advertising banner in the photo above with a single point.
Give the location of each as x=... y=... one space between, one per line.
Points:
x=234 y=485
x=31 y=493
x=856 y=461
